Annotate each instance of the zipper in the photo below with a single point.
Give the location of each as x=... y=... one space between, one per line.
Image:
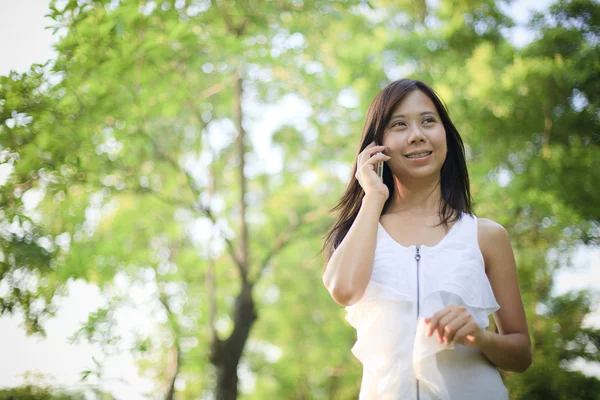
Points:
x=418 y=258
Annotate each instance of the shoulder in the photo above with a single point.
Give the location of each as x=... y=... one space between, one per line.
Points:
x=492 y=237
x=488 y=229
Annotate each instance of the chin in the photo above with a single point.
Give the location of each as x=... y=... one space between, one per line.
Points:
x=423 y=173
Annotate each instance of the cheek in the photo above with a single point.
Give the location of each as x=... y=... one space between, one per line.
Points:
x=439 y=140
x=393 y=143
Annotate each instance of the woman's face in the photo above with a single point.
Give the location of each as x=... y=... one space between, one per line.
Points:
x=415 y=138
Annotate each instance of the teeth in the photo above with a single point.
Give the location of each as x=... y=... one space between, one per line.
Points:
x=419 y=155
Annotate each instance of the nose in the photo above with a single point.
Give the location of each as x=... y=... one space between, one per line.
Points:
x=416 y=135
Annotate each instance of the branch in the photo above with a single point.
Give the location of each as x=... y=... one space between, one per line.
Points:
x=174 y=352
x=282 y=240
x=170 y=201
x=164 y=156
x=241 y=150
x=232 y=252
x=212 y=302
x=547 y=131
x=235 y=30
x=206 y=93
x=196 y=194
x=214 y=89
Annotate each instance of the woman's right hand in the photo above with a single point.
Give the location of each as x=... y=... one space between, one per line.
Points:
x=366 y=170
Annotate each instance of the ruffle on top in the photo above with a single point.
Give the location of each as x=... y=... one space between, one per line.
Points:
x=390 y=341
x=464 y=284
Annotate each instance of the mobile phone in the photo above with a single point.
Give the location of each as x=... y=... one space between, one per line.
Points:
x=380 y=167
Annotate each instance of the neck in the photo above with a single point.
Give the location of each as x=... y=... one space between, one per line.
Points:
x=416 y=196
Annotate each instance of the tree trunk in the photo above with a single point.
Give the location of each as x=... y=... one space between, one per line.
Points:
x=226 y=354
x=174 y=355
x=173 y=370
x=241 y=149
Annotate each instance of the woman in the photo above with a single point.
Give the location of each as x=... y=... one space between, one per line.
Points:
x=419 y=274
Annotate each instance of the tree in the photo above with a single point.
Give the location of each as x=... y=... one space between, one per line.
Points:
x=143 y=115
x=144 y=140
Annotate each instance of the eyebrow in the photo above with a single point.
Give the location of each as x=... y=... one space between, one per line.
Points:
x=404 y=116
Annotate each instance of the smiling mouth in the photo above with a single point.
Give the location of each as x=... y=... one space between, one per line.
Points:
x=420 y=155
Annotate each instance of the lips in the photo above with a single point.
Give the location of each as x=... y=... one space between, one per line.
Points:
x=419 y=154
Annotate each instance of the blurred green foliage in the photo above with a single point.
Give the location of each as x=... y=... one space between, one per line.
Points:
x=35 y=393
x=41 y=391
x=128 y=138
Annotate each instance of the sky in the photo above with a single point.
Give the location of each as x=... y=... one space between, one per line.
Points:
x=24 y=41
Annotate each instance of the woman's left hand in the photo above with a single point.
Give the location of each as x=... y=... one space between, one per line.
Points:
x=454 y=324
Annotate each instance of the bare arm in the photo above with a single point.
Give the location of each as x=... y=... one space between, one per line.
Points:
x=349 y=270
x=510 y=349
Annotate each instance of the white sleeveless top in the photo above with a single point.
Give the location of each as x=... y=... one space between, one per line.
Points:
x=399 y=361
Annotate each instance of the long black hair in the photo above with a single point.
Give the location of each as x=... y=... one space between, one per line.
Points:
x=454 y=177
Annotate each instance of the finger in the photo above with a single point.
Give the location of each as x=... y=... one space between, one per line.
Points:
x=373 y=149
x=462 y=334
x=434 y=321
x=429 y=328
x=368 y=153
x=378 y=149
x=376 y=158
x=453 y=327
x=444 y=322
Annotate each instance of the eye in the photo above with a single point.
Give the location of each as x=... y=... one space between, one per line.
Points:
x=429 y=120
x=396 y=123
